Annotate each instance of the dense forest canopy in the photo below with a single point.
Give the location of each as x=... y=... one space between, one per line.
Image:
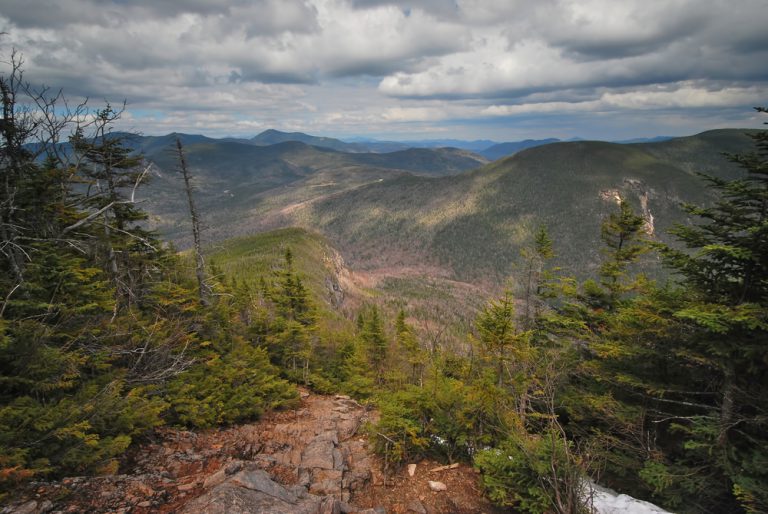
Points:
x=106 y=332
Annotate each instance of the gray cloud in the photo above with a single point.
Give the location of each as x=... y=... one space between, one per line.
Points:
x=419 y=64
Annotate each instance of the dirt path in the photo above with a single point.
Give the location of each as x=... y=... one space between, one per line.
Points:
x=313 y=460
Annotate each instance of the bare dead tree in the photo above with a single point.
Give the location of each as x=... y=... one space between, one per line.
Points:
x=203 y=289
x=13 y=133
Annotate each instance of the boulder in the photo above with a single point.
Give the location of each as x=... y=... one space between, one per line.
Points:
x=320 y=453
x=253 y=491
x=437 y=486
x=416 y=506
x=259 y=480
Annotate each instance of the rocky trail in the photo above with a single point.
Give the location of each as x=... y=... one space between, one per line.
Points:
x=314 y=459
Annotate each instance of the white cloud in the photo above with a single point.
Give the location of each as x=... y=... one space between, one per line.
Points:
x=687 y=96
x=421 y=63
x=678 y=96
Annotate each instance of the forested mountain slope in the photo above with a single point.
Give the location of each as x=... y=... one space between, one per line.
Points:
x=253 y=185
x=476 y=223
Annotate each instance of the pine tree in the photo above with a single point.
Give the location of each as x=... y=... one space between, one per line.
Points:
x=78 y=374
x=622 y=234
x=408 y=343
x=114 y=173
x=291 y=296
x=537 y=275
x=682 y=368
x=498 y=331
x=376 y=343
x=725 y=275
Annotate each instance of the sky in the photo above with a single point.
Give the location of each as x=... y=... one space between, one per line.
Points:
x=504 y=70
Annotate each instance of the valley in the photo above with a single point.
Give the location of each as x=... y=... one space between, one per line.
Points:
x=443 y=209
x=435 y=232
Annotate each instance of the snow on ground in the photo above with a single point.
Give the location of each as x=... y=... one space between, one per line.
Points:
x=607 y=501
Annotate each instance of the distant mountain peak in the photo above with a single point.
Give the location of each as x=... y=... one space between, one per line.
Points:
x=279 y=133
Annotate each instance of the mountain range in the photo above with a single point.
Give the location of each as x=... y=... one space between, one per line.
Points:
x=491 y=150
x=444 y=211
x=251 y=183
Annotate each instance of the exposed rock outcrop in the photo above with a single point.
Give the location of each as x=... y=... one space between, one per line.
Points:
x=314 y=455
x=306 y=461
x=310 y=460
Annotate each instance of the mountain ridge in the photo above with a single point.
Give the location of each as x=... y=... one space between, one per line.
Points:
x=441 y=208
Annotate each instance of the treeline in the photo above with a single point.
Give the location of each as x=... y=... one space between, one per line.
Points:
x=660 y=390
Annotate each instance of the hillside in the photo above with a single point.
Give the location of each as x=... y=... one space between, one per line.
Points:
x=272 y=136
x=475 y=224
x=433 y=299
x=422 y=240
x=500 y=150
x=420 y=208
x=247 y=259
x=256 y=184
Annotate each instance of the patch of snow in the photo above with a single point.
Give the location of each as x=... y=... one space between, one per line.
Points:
x=607 y=501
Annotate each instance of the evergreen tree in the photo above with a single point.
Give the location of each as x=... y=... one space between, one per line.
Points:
x=290 y=295
x=409 y=345
x=683 y=368
x=622 y=235
x=113 y=174
x=497 y=330
x=292 y=331
x=536 y=274
x=376 y=343
x=102 y=336
x=725 y=312
x=78 y=375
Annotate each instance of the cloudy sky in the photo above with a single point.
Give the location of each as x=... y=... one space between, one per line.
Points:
x=470 y=69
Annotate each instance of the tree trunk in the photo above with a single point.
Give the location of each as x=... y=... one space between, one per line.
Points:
x=7 y=222
x=202 y=287
x=726 y=407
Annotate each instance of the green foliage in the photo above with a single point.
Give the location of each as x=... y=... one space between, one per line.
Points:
x=357 y=378
x=498 y=332
x=622 y=235
x=375 y=342
x=290 y=296
x=409 y=346
x=222 y=389
x=399 y=435
x=102 y=336
x=674 y=378
x=82 y=433
x=534 y=473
